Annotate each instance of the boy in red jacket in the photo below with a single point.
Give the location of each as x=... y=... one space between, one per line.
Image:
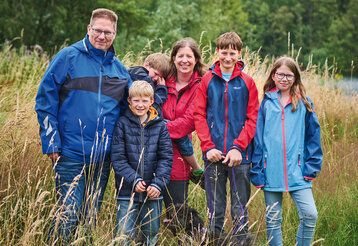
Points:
x=225 y=121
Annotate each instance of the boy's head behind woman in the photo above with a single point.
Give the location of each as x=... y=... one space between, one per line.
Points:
x=285 y=75
x=158 y=65
x=228 y=49
x=141 y=97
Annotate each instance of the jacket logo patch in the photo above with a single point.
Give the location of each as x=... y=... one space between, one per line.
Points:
x=237 y=87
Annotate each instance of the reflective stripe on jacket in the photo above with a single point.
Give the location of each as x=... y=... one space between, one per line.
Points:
x=78 y=100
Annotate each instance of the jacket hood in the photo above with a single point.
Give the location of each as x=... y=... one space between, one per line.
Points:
x=138 y=71
x=85 y=46
x=215 y=68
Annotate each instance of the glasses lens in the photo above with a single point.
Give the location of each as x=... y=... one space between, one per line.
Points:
x=289 y=77
x=98 y=32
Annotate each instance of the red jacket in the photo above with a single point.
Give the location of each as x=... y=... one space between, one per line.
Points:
x=179 y=109
x=226 y=112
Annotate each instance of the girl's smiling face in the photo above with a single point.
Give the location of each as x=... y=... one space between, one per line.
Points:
x=283 y=78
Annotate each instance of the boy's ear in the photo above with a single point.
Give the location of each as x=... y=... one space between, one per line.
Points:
x=146 y=65
x=151 y=101
x=129 y=100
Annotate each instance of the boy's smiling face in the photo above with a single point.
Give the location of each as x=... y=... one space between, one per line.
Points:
x=139 y=105
x=228 y=58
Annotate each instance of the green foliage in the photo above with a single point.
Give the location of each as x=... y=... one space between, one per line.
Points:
x=319 y=29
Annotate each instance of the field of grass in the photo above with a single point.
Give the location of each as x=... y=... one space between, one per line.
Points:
x=27 y=195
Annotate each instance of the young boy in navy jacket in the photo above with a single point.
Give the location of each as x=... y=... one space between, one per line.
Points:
x=225 y=121
x=142 y=158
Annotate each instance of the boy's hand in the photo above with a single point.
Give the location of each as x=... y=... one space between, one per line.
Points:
x=152 y=192
x=214 y=155
x=234 y=158
x=160 y=81
x=140 y=187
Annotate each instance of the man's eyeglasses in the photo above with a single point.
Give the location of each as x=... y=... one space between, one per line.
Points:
x=98 y=32
x=289 y=77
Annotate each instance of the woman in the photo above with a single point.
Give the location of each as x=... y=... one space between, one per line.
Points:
x=186 y=71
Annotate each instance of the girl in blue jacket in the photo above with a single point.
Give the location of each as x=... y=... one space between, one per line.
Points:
x=288 y=154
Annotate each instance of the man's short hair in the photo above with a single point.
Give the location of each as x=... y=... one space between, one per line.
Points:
x=141 y=88
x=104 y=13
x=160 y=62
x=229 y=40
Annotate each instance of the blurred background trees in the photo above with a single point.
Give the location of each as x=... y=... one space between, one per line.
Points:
x=319 y=29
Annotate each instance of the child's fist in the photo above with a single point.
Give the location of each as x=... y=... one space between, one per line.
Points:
x=140 y=187
x=152 y=192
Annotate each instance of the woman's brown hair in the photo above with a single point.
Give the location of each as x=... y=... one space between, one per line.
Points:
x=187 y=42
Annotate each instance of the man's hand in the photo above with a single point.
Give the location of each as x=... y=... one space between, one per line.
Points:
x=233 y=158
x=54 y=156
x=214 y=155
x=140 y=187
x=160 y=81
x=152 y=192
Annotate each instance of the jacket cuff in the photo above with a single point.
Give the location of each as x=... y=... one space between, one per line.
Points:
x=137 y=181
x=156 y=186
x=51 y=150
x=259 y=186
x=235 y=146
x=308 y=178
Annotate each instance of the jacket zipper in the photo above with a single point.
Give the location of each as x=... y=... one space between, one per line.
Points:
x=299 y=160
x=226 y=114
x=284 y=145
x=141 y=155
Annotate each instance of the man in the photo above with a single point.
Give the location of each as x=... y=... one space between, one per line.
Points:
x=77 y=105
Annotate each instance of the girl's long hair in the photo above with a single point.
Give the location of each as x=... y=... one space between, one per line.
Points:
x=297 y=90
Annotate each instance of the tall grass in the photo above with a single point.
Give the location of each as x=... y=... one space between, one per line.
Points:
x=27 y=195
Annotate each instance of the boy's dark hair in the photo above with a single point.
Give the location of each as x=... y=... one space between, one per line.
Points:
x=160 y=62
x=229 y=40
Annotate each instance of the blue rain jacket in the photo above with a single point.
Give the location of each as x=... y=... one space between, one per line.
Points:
x=78 y=101
x=287 y=153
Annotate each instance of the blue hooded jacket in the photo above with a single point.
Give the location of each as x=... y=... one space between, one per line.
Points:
x=78 y=101
x=288 y=152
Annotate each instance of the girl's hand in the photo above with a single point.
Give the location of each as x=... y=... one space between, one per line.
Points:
x=214 y=155
x=140 y=187
x=234 y=158
x=152 y=192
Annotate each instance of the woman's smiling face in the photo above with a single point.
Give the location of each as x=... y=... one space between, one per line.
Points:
x=185 y=60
